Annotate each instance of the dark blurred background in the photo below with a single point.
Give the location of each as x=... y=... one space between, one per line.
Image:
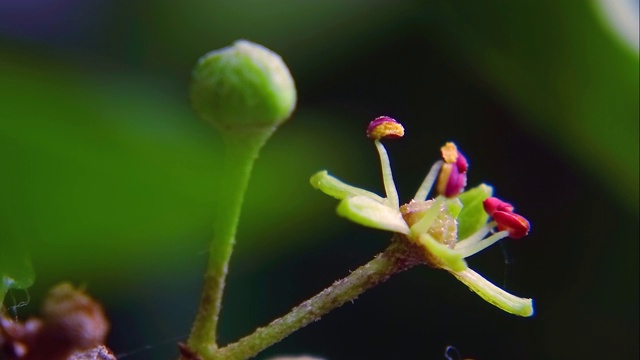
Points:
x=109 y=179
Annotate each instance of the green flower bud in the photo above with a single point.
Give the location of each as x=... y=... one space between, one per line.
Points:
x=244 y=86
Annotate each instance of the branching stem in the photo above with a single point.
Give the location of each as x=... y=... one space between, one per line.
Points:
x=399 y=256
x=241 y=150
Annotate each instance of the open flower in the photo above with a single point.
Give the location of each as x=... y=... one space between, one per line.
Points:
x=448 y=228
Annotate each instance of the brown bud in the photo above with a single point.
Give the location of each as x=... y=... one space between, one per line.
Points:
x=71 y=322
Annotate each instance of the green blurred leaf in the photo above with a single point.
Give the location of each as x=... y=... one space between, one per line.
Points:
x=557 y=62
x=116 y=174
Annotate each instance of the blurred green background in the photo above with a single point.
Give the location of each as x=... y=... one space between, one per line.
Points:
x=109 y=179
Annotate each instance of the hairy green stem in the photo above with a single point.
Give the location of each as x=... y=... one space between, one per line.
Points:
x=241 y=150
x=399 y=256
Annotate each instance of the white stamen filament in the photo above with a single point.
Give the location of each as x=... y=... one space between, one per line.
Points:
x=476 y=248
x=428 y=181
x=477 y=236
x=387 y=177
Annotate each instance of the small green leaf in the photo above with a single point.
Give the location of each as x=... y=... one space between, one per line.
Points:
x=368 y=212
x=472 y=216
x=16 y=271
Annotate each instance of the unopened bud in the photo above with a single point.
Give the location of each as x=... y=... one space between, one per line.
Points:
x=242 y=86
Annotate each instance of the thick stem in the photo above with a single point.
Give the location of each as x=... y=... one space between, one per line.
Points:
x=400 y=255
x=241 y=150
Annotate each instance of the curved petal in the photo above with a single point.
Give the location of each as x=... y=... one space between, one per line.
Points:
x=449 y=259
x=339 y=190
x=368 y=212
x=493 y=294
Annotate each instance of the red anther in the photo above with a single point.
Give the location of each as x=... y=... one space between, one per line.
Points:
x=461 y=163
x=453 y=174
x=385 y=127
x=516 y=225
x=456 y=183
x=492 y=204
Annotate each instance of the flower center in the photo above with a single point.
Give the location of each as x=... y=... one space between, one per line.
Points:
x=444 y=227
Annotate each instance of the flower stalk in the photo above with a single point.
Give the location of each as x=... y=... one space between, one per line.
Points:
x=241 y=151
x=246 y=92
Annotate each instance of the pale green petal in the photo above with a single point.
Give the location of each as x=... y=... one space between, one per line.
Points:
x=450 y=259
x=368 y=212
x=339 y=190
x=493 y=294
x=472 y=217
x=454 y=206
